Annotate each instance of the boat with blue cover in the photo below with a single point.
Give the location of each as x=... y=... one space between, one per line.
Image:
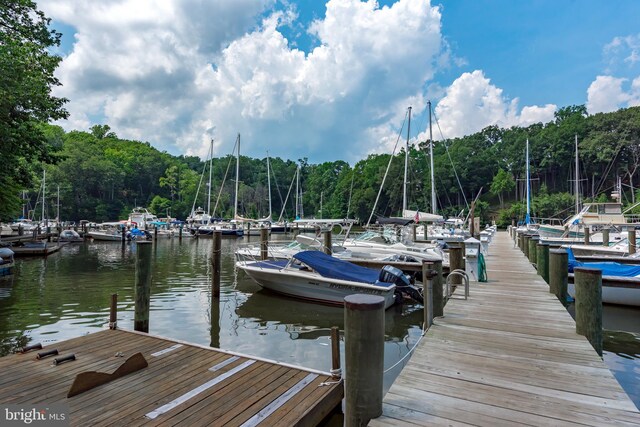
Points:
x=620 y=282
x=316 y=276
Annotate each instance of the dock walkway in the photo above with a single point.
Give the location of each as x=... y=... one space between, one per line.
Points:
x=507 y=356
x=183 y=384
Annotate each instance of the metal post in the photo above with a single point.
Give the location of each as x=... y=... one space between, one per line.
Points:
x=588 y=286
x=142 y=286
x=364 y=358
x=558 y=273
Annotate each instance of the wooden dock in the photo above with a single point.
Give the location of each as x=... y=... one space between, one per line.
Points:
x=507 y=356
x=183 y=384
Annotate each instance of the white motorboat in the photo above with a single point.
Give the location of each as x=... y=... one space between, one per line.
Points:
x=316 y=276
x=108 y=231
x=141 y=218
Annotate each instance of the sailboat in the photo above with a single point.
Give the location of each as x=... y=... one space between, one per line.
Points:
x=231 y=228
x=198 y=216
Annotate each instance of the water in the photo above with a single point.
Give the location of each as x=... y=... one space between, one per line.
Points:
x=67 y=295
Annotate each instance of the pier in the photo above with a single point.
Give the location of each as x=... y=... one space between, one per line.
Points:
x=509 y=355
x=173 y=383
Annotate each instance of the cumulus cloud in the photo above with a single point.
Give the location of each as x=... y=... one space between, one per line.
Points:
x=472 y=103
x=178 y=73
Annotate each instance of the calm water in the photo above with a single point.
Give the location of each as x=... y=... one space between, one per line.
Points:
x=67 y=295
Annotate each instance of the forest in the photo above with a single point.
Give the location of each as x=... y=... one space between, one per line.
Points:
x=100 y=177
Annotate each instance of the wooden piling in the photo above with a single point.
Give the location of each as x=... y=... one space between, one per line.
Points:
x=587 y=235
x=155 y=232
x=588 y=288
x=142 y=286
x=113 y=312
x=558 y=273
x=364 y=358
x=456 y=261
x=542 y=260
x=632 y=240
x=605 y=236
x=335 y=353
x=216 y=254
x=414 y=227
x=328 y=245
x=438 y=292
x=264 y=243
x=525 y=244
x=427 y=293
x=425 y=232
x=180 y=233
x=533 y=251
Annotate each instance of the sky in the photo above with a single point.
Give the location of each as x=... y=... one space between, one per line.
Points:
x=333 y=80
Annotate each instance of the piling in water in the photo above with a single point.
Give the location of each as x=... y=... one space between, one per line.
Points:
x=533 y=251
x=438 y=289
x=605 y=236
x=142 y=286
x=216 y=253
x=328 y=245
x=113 y=312
x=427 y=292
x=587 y=235
x=456 y=261
x=588 y=288
x=525 y=244
x=364 y=357
x=632 y=240
x=264 y=243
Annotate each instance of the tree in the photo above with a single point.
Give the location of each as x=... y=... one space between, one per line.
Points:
x=502 y=182
x=26 y=80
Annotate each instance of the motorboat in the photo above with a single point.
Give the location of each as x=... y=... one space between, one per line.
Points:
x=228 y=229
x=107 y=231
x=316 y=276
x=620 y=282
x=141 y=218
x=6 y=261
x=26 y=225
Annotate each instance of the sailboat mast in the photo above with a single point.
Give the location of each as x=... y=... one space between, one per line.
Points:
x=434 y=209
x=58 y=207
x=269 y=183
x=210 y=169
x=44 y=186
x=297 y=192
x=406 y=166
x=235 y=208
x=528 y=215
x=576 y=188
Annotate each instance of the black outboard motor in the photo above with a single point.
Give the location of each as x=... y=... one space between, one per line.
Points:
x=391 y=274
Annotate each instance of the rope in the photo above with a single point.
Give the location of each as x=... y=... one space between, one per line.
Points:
x=406 y=355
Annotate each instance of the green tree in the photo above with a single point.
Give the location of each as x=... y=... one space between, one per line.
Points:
x=502 y=182
x=26 y=79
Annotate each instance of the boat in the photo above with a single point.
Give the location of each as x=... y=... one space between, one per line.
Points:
x=141 y=218
x=6 y=261
x=107 y=231
x=620 y=282
x=316 y=276
x=198 y=216
x=24 y=224
x=69 y=236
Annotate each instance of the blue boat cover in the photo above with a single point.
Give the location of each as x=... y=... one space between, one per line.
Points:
x=607 y=268
x=335 y=268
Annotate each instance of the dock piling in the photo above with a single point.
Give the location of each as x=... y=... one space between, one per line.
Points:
x=632 y=240
x=525 y=244
x=542 y=260
x=142 y=286
x=456 y=261
x=587 y=235
x=558 y=271
x=335 y=353
x=438 y=290
x=215 y=262
x=427 y=293
x=533 y=252
x=264 y=243
x=605 y=236
x=588 y=288
x=364 y=358
x=328 y=245
x=113 y=312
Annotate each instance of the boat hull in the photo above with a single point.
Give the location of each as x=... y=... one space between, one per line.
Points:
x=616 y=291
x=313 y=287
x=110 y=237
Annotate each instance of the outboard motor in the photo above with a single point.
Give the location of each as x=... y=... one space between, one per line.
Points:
x=391 y=274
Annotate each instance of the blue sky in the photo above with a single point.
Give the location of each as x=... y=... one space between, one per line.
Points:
x=332 y=80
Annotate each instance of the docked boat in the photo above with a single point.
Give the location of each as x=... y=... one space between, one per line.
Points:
x=316 y=276
x=107 y=231
x=620 y=282
x=36 y=248
x=69 y=236
x=141 y=218
x=26 y=225
x=6 y=261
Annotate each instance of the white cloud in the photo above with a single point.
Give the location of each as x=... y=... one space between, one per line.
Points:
x=472 y=103
x=177 y=73
x=607 y=93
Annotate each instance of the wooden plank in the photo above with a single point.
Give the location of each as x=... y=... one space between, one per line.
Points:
x=507 y=355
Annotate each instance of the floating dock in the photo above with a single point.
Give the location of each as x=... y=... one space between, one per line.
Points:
x=509 y=355
x=175 y=383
